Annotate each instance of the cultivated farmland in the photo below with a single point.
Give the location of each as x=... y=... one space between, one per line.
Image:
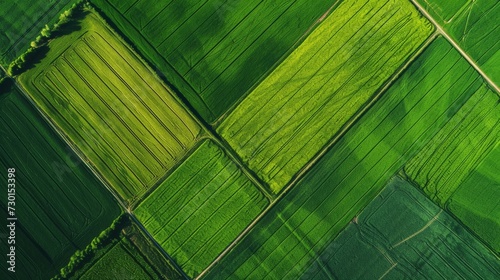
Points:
x=403 y=235
x=201 y=208
x=476 y=201
x=356 y=168
x=110 y=105
x=214 y=51
x=120 y=262
x=21 y=21
x=474 y=25
x=60 y=205
x=321 y=85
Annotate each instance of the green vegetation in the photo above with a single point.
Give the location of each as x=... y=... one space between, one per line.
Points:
x=60 y=205
x=203 y=206
x=121 y=251
x=476 y=201
x=122 y=261
x=403 y=235
x=321 y=86
x=474 y=25
x=109 y=104
x=356 y=168
x=461 y=156
x=37 y=48
x=214 y=51
x=21 y=21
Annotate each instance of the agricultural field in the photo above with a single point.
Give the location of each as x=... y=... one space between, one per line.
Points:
x=21 y=21
x=355 y=169
x=198 y=210
x=120 y=262
x=474 y=25
x=403 y=235
x=462 y=155
x=475 y=202
x=215 y=51
x=109 y=104
x=321 y=86
x=53 y=220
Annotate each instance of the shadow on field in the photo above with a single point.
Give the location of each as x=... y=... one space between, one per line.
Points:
x=73 y=25
x=35 y=57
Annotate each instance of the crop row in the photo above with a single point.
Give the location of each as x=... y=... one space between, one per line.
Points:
x=52 y=218
x=200 y=208
x=214 y=51
x=321 y=86
x=128 y=125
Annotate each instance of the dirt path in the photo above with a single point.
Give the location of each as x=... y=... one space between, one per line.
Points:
x=457 y=47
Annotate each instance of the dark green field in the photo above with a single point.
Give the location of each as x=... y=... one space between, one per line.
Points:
x=21 y=21
x=214 y=51
x=403 y=235
x=321 y=86
x=60 y=205
x=201 y=208
x=117 y=113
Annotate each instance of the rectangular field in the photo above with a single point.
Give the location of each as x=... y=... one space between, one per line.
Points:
x=300 y=106
x=111 y=106
x=403 y=235
x=60 y=205
x=474 y=25
x=214 y=51
x=357 y=167
x=201 y=208
x=21 y=21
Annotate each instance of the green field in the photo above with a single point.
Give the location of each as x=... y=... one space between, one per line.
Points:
x=476 y=201
x=21 y=21
x=60 y=205
x=462 y=157
x=122 y=261
x=474 y=25
x=214 y=51
x=403 y=235
x=460 y=145
x=111 y=106
x=356 y=168
x=321 y=86
x=201 y=208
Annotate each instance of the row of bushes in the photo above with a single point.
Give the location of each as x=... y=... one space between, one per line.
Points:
x=80 y=257
x=21 y=63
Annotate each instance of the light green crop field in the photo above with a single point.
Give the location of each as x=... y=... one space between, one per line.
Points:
x=21 y=21
x=321 y=85
x=214 y=51
x=356 y=168
x=476 y=201
x=474 y=25
x=403 y=235
x=59 y=204
x=122 y=261
x=111 y=106
x=199 y=209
